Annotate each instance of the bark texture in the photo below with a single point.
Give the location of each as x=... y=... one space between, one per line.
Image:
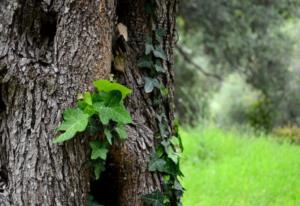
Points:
x=129 y=160
x=51 y=50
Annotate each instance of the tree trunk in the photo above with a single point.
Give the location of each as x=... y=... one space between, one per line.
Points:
x=51 y=50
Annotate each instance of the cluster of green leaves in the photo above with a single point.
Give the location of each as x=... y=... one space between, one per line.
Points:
x=166 y=160
x=153 y=60
x=100 y=114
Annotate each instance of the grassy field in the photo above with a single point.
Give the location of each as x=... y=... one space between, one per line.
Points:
x=230 y=168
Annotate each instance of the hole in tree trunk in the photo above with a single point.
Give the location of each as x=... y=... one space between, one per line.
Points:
x=3 y=179
x=2 y=104
x=38 y=23
x=48 y=27
x=105 y=190
x=123 y=7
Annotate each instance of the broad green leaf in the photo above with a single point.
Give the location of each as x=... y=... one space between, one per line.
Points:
x=166 y=179
x=75 y=121
x=160 y=53
x=161 y=165
x=86 y=108
x=98 y=169
x=120 y=129
x=107 y=86
x=99 y=97
x=166 y=145
x=149 y=45
x=157 y=164
x=98 y=150
x=117 y=113
x=177 y=186
x=175 y=141
x=87 y=98
x=155 y=198
x=113 y=98
x=108 y=135
x=159 y=67
x=150 y=84
x=173 y=155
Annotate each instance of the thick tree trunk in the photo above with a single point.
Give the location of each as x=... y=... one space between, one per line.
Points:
x=51 y=50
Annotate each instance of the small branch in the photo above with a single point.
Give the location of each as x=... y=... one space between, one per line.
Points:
x=187 y=58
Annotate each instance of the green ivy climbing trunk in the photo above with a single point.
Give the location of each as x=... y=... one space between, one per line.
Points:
x=51 y=50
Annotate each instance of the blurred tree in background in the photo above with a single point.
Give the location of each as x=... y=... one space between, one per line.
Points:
x=252 y=38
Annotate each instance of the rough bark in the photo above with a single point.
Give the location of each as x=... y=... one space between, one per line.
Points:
x=50 y=51
x=129 y=161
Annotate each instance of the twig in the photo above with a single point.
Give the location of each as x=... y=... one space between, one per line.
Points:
x=191 y=62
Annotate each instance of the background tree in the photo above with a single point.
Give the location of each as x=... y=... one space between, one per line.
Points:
x=49 y=52
x=247 y=37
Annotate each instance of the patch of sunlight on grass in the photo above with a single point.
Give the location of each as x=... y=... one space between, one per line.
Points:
x=231 y=168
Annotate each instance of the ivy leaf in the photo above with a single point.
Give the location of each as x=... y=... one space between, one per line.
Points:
x=164 y=91
x=160 y=33
x=113 y=98
x=117 y=113
x=99 y=97
x=98 y=169
x=149 y=45
x=150 y=84
x=145 y=62
x=158 y=67
x=160 y=53
x=75 y=121
x=155 y=198
x=87 y=98
x=107 y=86
x=161 y=165
x=175 y=141
x=108 y=135
x=157 y=164
x=120 y=129
x=173 y=155
x=98 y=150
x=86 y=108
x=177 y=186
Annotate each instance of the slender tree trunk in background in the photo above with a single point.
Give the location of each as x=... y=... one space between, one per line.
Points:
x=51 y=50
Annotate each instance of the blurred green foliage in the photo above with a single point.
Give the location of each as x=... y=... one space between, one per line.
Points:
x=232 y=102
x=288 y=132
x=261 y=114
x=254 y=38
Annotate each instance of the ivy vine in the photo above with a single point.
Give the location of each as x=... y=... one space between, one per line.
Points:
x=166 y=158
x=100 y=114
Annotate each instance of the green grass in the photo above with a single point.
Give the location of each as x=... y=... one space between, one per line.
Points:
x=228 y=168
